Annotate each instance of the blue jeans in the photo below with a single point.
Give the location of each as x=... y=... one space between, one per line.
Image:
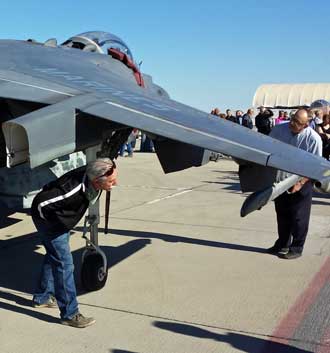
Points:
x=57 y=275
x=125 y=146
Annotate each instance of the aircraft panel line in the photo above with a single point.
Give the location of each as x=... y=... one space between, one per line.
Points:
x=38 y=87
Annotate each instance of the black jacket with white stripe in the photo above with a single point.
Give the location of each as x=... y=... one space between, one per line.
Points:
x=61 y=204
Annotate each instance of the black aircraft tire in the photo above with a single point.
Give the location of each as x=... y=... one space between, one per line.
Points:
x=92 y=277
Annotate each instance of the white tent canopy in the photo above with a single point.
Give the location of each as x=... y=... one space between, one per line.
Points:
x=290 y=95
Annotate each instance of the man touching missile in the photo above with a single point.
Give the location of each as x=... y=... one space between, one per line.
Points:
x=293 y=208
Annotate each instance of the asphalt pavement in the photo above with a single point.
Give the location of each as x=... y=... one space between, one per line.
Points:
x=186 y=273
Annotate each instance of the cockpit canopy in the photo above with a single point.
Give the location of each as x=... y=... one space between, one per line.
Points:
x=99 y=42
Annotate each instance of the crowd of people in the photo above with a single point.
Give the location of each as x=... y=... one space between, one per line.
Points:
x=265 y=120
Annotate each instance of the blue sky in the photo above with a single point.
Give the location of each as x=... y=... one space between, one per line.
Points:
x=206 y=53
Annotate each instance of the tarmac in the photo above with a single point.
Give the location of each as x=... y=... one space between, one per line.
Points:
x=186 y=273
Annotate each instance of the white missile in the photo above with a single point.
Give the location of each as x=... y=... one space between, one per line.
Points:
x=260 y=198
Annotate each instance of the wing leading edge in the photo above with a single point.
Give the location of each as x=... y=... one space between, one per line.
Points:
x=193 y=127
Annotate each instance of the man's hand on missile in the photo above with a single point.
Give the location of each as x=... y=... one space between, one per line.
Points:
x=296 y=187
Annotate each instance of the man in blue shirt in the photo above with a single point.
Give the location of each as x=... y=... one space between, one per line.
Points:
x=293 y=207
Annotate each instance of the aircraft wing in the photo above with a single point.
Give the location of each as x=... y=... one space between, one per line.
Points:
x=179 y=122
x=99 y=91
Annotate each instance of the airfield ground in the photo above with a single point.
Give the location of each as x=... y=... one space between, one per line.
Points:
x=187 y=274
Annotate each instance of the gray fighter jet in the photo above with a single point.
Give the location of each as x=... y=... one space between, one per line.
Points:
x=88 y=91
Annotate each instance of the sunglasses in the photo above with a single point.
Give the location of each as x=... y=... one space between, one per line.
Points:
x=297 y=122
x=109 y=172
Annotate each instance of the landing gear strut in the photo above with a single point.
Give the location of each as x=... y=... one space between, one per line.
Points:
x=94 y=269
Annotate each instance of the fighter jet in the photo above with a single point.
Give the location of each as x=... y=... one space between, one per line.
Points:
x=89 y=92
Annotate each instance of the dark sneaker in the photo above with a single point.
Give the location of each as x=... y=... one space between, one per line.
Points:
x=283 y=251
x=50 y=303
x=290 y=255
x=79 y=321
x=274 y=250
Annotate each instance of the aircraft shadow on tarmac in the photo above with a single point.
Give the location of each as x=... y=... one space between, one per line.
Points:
x=176 y=239
x=241 y=342
x=321 y=203
x=233 y=173
x=227 y=185
x=20 y=267
x=321 y=199
x=5 y=219
x=230 y=182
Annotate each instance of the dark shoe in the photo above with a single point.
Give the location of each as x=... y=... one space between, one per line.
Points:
x=130 y=155
x=79 y=321
x=50 y=303
x=290 y=255
x=274 y=250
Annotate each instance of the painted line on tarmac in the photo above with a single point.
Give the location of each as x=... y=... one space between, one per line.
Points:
x=168 y=197
x=148 y=187
x=157 y=200
x=298 y=313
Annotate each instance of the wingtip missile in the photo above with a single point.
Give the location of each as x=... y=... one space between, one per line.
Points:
x=256 y=201
x=260 y=198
